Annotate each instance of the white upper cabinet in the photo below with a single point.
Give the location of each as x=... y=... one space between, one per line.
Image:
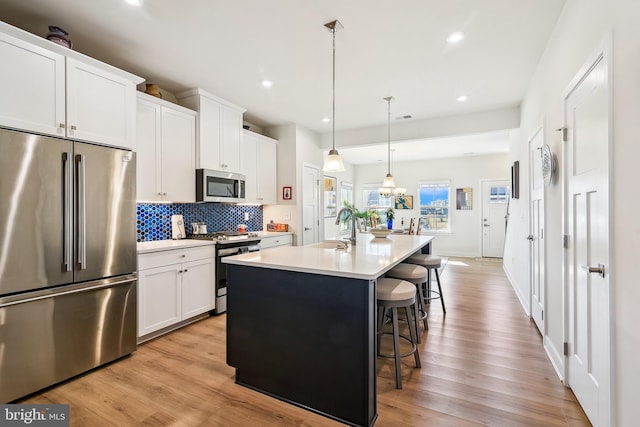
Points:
x=258 y=163
x=33 y=87
x=219 y=127
x=53 y=90
x=101 y=107
x=166 y=136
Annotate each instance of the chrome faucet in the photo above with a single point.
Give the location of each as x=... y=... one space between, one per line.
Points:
x=352 y=239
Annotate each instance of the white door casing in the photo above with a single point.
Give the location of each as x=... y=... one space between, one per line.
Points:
x=537 y=277
x=587 y=227
x=495 y=198
x=310 y=205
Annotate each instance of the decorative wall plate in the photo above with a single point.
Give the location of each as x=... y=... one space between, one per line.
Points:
x=548 y=165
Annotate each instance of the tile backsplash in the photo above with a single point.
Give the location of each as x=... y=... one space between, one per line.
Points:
x=154 y=219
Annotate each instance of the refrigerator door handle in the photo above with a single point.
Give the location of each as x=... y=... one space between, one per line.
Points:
x=82 y=209
x=67 y=233
x=68 y=290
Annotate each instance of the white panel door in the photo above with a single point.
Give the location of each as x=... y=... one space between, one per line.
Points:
x=587 y=260
x=495 y=198
x=536 y=231
x=310 y=205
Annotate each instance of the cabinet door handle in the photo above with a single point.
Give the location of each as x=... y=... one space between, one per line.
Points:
x=185 y=270
x=73 y=127
x=61 y=126
x=183 y=256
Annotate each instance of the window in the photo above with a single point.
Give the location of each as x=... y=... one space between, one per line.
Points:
x=434 y=206
x=499 y=194
x=346 y=196
x=374 y=202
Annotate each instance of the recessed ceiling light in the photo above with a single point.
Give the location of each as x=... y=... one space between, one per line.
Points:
x=325 y=119
x=462 y=98
x=455 y=37
x=135 y=2
x=266 y=83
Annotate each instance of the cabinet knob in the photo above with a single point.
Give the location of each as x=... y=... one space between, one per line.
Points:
x=164 y=194
x=185 y=270
x=183 y=256
x=61 y=126
x=73 y=127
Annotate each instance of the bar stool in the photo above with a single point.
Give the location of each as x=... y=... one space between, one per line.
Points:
x=430 y=262
x=417 y=275
x=393 y=294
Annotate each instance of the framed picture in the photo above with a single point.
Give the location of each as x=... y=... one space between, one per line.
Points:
x=286 y=193
x=464 y=199
x=403 y=202
x=330 y=196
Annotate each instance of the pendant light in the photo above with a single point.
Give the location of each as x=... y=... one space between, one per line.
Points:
x=333 y=162
x=389 y=184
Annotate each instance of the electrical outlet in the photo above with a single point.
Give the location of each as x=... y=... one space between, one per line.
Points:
x=246 y=216
x=287 y=216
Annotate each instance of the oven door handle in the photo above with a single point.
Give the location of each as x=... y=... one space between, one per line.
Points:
x=228 y=252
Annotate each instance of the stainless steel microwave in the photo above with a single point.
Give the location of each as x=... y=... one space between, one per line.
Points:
x=218 y=186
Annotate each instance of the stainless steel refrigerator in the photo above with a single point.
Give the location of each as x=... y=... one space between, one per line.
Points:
x=67 y=259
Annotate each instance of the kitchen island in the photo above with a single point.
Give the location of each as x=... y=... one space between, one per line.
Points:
x=301 y=322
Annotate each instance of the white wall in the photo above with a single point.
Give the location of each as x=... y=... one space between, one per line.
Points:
x=466 y=237
x=581 y=27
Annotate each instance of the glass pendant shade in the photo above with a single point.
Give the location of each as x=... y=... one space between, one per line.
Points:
x=389 y=182
x=333 y=162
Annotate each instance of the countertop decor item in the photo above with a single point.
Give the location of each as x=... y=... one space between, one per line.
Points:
x=380 y=233
x=59 y=36
x=333 y=162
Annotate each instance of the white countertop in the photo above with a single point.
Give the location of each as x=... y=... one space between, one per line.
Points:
x=163 y=245
x=369 y=259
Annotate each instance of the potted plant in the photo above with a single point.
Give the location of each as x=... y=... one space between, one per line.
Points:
x=390 y=216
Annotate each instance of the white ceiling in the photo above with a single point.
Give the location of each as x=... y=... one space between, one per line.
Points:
x=386 y=48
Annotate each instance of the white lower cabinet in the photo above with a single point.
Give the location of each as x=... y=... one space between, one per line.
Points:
x=273 y=241
x=174 y=285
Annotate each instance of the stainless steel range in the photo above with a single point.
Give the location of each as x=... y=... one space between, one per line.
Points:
x=227 y=243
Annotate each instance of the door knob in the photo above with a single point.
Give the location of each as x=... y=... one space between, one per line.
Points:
x=599 y=269
x=530 y=237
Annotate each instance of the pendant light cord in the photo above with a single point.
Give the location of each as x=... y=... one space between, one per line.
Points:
x=389 y=135
x=333 y=118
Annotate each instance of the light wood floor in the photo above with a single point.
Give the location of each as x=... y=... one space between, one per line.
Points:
x=482 y=364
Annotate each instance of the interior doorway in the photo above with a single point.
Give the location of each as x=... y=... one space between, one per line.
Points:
x=495 y=199
x=587 y=223
x=310 y=204
x=537 y=281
